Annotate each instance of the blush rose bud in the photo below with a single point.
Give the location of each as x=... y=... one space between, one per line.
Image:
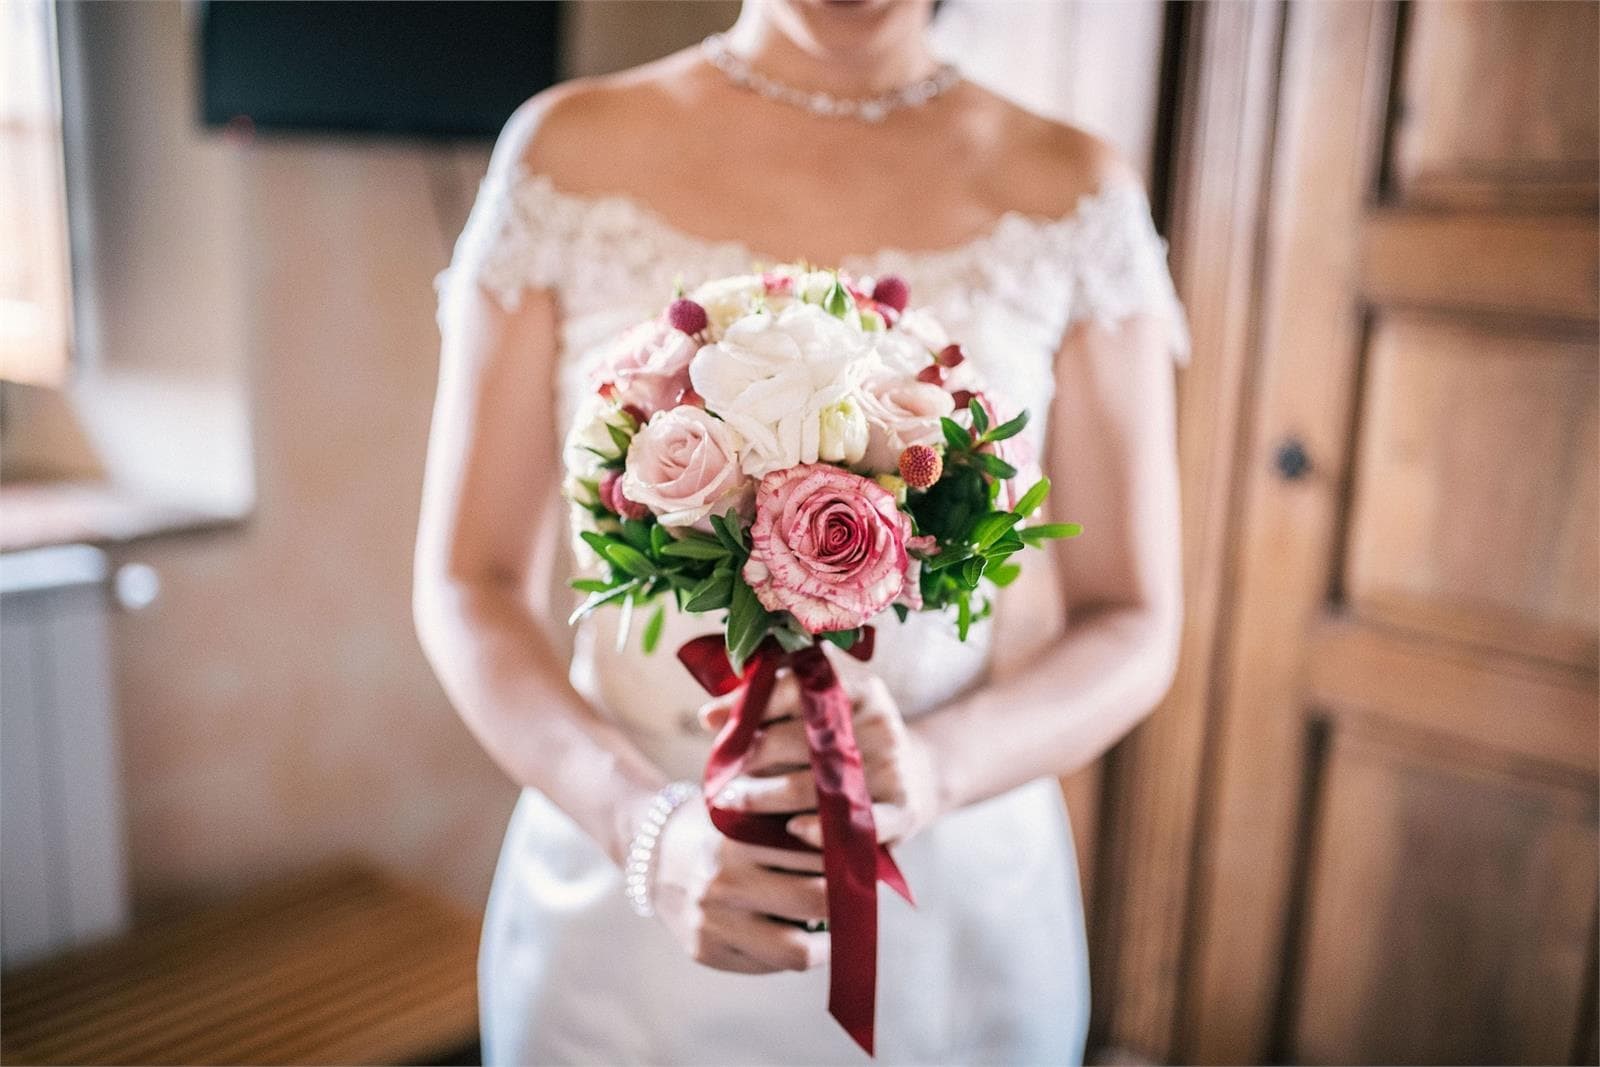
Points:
x=686 y=315
x=612 y=498
x=892 y=291
x=921 y=466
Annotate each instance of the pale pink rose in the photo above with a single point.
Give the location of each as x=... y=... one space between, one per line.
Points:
x=684 y=465
x=828 y=546
x=900 y=412
x=649 y=368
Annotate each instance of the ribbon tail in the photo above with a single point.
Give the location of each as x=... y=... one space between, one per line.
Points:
x=889 y=874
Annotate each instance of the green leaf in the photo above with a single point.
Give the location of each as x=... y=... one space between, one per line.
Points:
x=991 y=526
x=652 y=629
x=955 y=435
x=963 y=617
x=596 y=541
x=901 y=611
x=695 y=548
x=601 y=599
x=980 y=417
x=972 y=570
x=636 y=534
x=1006 y=544
x=837 y=302
x=948 y=558
x=1004 y=574
x=659 y=538
x=1007 y=429
x=590 y=585
x=845 y=639
x=727 y=530
x=791 y=638
x=1034 y=535
x=629 y=559
x=996 y=467
x=1033 y=498
x=713 y=594
x=619 y=437
x=747 y=624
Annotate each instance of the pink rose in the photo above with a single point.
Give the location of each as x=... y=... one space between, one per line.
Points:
x=649 y=368
x=684 y=465
x=900 y=413
x=828 y=546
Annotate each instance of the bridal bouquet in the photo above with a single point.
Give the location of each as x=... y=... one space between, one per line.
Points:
x=804 y=454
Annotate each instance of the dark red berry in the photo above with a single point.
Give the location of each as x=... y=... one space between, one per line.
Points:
x=950 y=356
x=962 y=398
x=892 y=291
x=933 y=374
x=686 y=315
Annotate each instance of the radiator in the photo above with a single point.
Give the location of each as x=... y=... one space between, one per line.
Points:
x=63 y=873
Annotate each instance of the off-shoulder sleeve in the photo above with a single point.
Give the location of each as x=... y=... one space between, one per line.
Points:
x=514 y=240
x=1118 y=266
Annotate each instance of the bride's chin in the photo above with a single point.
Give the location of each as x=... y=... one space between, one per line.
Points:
x=847 y=28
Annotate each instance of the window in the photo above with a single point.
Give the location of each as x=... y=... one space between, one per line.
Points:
x=35 y=290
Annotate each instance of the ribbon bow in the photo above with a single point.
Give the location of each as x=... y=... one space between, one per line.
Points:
x=852 y=859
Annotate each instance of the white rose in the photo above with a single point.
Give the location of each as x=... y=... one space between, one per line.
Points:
x=900 y=412
x=900 y=353
x=919 y=325
x=727 y=300
x=771 y=377
x=843 y=434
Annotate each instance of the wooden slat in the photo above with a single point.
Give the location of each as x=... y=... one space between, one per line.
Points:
x=1497 y=702
x=339 y=967
x=1525 y=265
x=1334 y=88
x=1227 y=97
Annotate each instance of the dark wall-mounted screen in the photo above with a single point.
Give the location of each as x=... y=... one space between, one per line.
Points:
x=443 y=68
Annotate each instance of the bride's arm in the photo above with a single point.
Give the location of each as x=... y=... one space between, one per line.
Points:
x=1113 y=466
x=493 y=469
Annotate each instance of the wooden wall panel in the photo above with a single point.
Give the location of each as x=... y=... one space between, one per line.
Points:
x=1416 y=852
x=1475 y=486
x=1498 y=104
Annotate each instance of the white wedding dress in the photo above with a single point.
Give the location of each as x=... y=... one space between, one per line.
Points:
x=991 y=965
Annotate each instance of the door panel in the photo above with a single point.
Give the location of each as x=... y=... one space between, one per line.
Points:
x=1474 y=486
x=1419 y=849
x=1399 y=862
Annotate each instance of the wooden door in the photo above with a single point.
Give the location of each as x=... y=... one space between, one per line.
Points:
x=1397 y=860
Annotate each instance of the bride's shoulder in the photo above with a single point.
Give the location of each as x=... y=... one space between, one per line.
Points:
x=585 y=131
x=1049 y=165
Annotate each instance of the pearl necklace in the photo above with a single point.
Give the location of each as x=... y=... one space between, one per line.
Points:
x=868 y=109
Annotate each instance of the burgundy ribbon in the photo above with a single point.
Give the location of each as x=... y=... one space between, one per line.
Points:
x=852 y=859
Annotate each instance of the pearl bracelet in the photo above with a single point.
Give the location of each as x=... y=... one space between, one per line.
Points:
x=642 y=852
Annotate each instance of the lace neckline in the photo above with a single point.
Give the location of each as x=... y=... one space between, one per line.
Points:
x=634 y=214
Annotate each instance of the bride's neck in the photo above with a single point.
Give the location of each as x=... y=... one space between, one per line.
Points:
x=858 y=74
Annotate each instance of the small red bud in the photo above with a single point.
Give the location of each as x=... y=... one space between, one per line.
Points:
x=962 y=398
x=933 y=374
x=921 y=466
x=636 y=413
x=612 y=497
x=686 y=315
x=892 y=291
x=950 y=356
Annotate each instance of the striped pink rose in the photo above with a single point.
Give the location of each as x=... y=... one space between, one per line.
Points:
x=827 y=546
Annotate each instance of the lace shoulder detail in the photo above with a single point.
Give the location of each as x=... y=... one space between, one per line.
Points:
x=524 y=233
x=1117 y=264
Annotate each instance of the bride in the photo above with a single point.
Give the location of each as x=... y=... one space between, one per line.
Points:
x=821 y=131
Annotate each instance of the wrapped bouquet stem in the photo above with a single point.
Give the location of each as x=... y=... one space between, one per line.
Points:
x=800 y=456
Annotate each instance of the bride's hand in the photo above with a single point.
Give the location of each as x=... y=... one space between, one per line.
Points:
x=778 y=777
x=726 y=902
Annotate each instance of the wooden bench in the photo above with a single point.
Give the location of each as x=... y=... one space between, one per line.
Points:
x=340 y=967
